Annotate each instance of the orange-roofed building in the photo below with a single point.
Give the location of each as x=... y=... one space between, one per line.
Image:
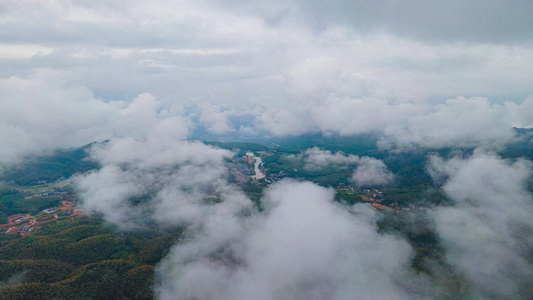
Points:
x=378 y=206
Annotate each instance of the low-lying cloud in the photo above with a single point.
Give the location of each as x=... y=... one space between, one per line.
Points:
x=372 y=172
x=487 y=232
x=460 y=122
x=316 y=158
x=169 y=176
x=369 y=171
x=303 y=246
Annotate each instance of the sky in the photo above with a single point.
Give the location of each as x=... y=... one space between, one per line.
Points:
x=403 y=69
x=146 y=75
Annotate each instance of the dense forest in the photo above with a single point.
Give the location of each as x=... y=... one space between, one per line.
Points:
x=80 y=259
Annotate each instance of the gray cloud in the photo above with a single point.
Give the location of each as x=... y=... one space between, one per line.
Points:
x=494 y=21
x=487 y=233
x=231 y=52
x=478 y=21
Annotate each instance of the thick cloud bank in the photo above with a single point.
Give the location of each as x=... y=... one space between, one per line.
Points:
x=462 y=122
x=41 y=114
x=303 y=246
x=487 y=233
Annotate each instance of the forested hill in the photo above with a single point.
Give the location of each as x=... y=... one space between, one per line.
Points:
x=61 y=164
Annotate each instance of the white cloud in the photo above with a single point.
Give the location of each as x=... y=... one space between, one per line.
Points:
x=43 y=113
x=315 y=158
x=295 y=73
x=459 y=122
x=486 y=233
x=372 y=172
x=369 y=171
x=303 y=247
x=170 y=178
x=214 y=120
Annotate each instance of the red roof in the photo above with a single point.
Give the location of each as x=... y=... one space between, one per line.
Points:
x=76 y=213
x=12 y=230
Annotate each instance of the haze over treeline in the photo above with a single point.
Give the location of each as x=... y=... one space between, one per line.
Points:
x=150 y=78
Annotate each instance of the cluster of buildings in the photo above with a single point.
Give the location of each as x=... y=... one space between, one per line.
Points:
x=18 y=218
x=23 y=224
x=13 y=223
x=58 y=195
x=51 y=210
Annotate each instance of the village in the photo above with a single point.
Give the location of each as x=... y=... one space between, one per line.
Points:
x=374 y=197
x=241 y=168
x=242 y=171
x=23 y=224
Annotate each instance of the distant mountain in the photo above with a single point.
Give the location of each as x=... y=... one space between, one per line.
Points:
x=64 y=163
x=59 y=165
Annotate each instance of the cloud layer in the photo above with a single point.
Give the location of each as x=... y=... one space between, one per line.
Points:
x=403 y=70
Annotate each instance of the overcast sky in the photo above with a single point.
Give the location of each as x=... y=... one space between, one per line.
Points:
x=401 y=68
